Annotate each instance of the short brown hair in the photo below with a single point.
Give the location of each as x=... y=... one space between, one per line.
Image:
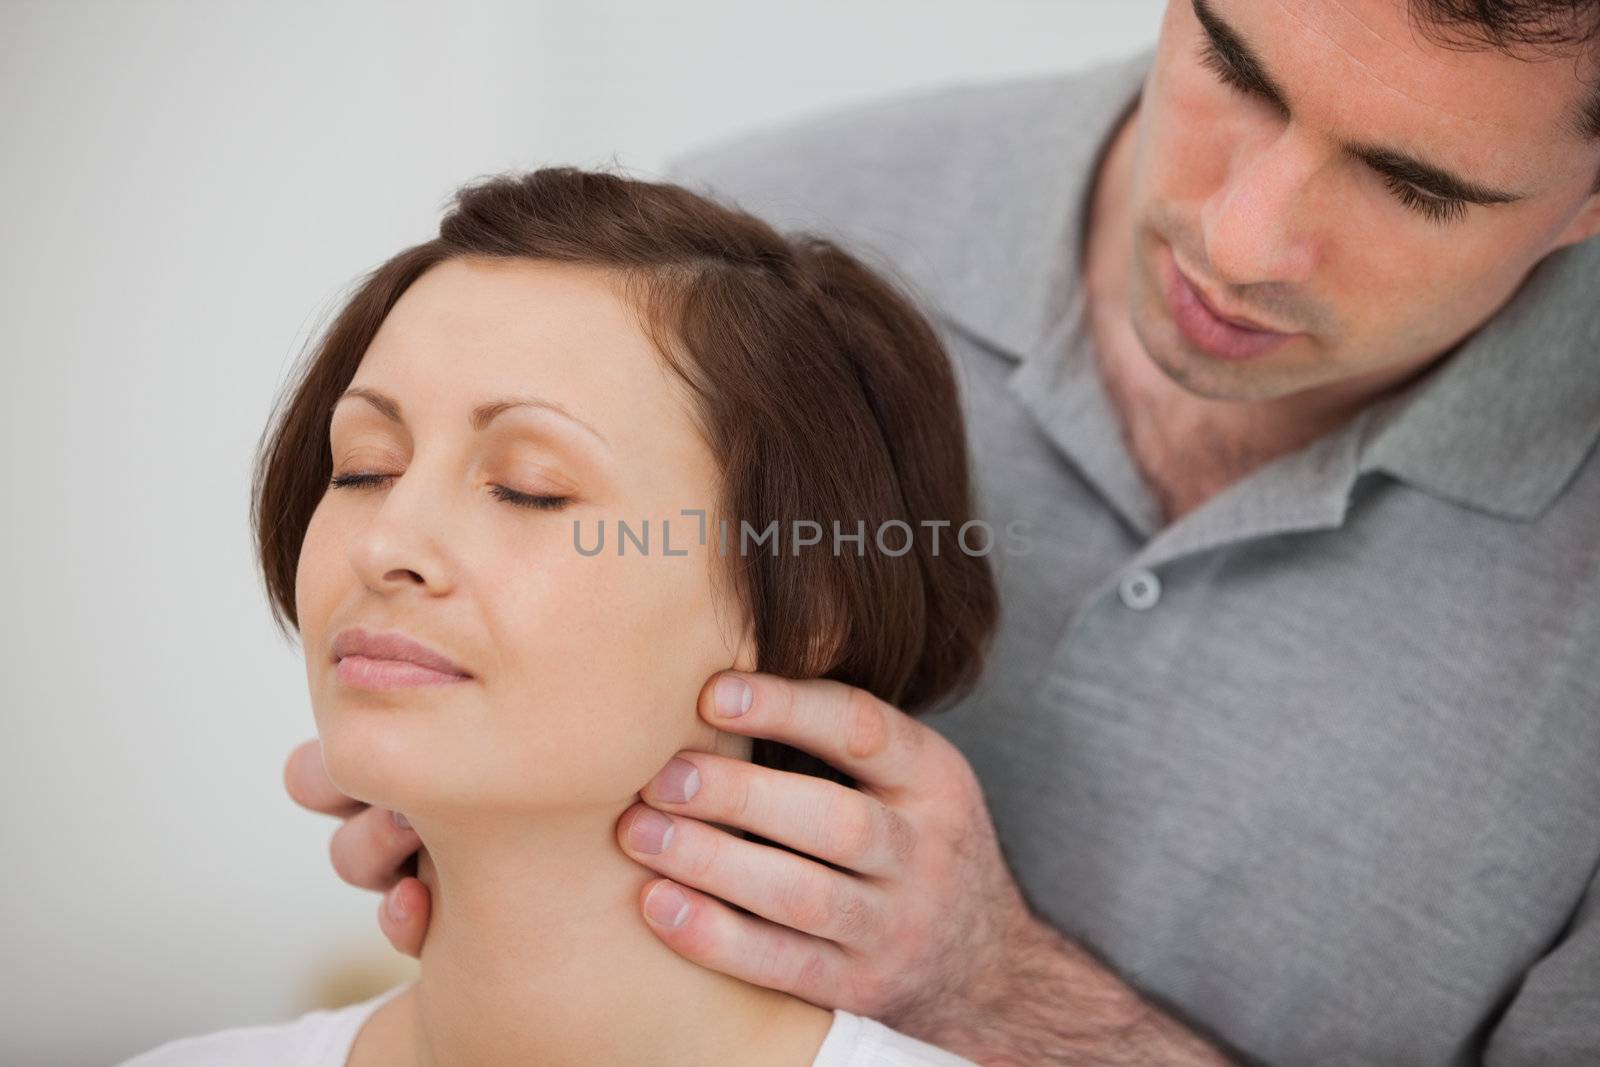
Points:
x=823 y=392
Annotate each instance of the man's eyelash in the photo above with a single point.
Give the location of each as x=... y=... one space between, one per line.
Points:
x=1212 y=60
x=510 y=496
x=1436 y=209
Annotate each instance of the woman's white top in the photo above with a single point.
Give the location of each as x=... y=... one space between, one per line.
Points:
x=324 y=1038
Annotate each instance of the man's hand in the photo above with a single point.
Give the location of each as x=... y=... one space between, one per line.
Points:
x=370 y=849
x=913 y=918
x=923 y=908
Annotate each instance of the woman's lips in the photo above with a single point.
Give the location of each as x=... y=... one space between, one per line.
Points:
x=391 y=660
x=364 y=672
x=1206 y=329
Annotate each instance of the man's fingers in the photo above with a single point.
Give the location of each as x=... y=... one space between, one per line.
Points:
x=792 y=890
x=710 y=933
x=878 y=745
x=307 y=782
x=818 y=817
x=369 y=849
x=403 y=916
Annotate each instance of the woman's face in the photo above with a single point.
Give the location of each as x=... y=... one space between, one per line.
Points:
x=584 y=669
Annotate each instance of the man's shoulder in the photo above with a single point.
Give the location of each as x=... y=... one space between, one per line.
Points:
x=960 y=193
x=911 y=137
x=876 y=164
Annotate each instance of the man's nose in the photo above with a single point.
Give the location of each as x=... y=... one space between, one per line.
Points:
x=1257 y=226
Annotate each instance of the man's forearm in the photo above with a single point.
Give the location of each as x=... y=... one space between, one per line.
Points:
x=1061 y=1007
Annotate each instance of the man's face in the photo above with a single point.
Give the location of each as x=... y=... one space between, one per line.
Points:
x=1275 y=170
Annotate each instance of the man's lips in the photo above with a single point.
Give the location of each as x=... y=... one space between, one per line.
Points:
x=1231 y=320
x=1220 y=336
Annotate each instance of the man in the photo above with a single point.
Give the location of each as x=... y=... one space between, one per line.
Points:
x=1284 y=341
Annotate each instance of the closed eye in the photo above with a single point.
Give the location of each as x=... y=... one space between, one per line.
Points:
x=501 y=492
x=1433 y=208
x=1436 y=209
x=1234 y=78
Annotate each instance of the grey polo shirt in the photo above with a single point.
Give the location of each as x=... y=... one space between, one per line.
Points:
x=1317 y=766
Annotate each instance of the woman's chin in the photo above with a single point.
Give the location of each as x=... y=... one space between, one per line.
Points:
x=376 y=763
x=421 y=770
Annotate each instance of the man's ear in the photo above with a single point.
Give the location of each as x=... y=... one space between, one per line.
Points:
x=1584 y=226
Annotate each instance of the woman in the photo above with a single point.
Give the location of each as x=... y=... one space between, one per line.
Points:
x=583 y=360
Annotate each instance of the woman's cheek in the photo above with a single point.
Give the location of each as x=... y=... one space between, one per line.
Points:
x=614 y=651
x=313 y=577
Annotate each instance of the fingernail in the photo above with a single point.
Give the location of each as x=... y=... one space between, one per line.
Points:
x=732 y=696
x=400 y=820
x=666 y=905
x=397 y=912
x=651 y=831
x=678 y=781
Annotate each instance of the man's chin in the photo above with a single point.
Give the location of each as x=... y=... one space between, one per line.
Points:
x=1210 y=378
x=1201 y=377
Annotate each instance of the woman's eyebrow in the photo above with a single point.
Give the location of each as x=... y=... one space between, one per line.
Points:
x=482 y=415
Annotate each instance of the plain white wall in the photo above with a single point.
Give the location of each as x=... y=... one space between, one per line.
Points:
x=187 y=189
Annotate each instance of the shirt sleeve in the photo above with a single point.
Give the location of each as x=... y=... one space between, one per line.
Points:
x=1554 y=1016
x=321 y=1038
x=254 y=1046
x=865 y=1042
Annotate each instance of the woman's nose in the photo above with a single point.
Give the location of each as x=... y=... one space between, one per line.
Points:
x=402 y=543
x=1255 y=226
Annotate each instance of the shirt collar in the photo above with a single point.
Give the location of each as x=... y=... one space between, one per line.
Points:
x=1013 y=282
x=1500 y=424
x=1504 y=422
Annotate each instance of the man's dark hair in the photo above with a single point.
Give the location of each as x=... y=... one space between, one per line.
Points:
x=1519 y=27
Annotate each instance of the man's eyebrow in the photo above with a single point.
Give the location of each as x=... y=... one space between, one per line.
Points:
x=482 y=415
x=1426 y=176
x=1235 y=52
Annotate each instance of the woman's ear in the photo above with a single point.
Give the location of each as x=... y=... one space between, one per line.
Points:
x=738 y=746
x=745 y=655
x=734 y=746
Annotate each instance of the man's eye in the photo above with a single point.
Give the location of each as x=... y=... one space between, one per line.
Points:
x=1436 y=209
x=1212 y=60
x=500 y=492
x=1231 y=76
x=1433 y=208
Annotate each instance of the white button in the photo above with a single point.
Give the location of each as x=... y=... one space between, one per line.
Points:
x=1140 y=590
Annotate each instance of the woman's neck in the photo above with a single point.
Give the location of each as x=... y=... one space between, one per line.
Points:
x=537 y=952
